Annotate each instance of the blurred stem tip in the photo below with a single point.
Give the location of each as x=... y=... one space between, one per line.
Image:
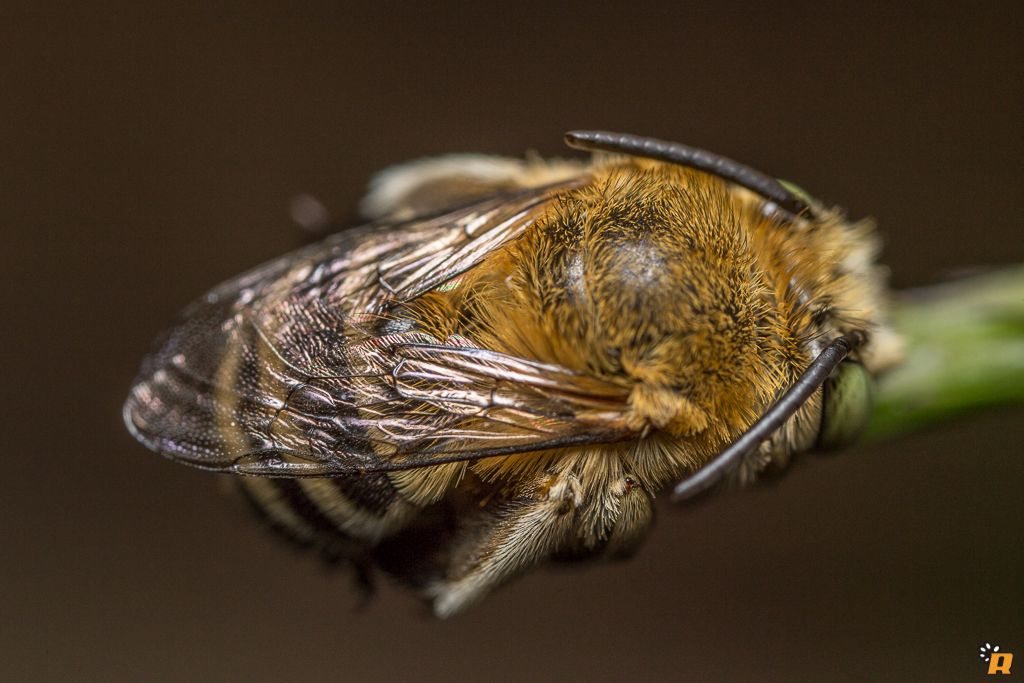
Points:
x=964 y=352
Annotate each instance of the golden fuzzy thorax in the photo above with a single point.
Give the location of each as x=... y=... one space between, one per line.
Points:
x=677 y=286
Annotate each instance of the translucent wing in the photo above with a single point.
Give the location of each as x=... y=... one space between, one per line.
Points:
x=301 y=367
x=460 y=239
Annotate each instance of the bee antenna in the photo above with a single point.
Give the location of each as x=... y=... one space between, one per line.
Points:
x=693 y=157
x=783 y=409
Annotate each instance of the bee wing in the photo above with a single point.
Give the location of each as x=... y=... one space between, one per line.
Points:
x=462 y=239
x=299 y=368
x=501 y=404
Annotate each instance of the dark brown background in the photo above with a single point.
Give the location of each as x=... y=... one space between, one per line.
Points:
x=146 y=155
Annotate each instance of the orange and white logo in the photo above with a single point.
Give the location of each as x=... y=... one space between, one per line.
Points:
x=998 y=662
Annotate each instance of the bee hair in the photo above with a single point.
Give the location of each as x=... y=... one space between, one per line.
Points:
x=783 y=409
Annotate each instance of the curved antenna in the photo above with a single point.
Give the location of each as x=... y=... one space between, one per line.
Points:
x=700 y=159
x=783 y=409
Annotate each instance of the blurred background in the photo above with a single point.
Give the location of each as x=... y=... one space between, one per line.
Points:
x=147 y=154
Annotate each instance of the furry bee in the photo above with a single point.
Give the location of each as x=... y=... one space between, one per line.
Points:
x=515 y=356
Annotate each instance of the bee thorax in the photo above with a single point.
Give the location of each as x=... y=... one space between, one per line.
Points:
x=645 y=278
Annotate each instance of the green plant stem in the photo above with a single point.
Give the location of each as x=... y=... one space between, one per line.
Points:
x=964 y=352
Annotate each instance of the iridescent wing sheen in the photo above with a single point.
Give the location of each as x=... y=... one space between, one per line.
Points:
x=305 y=366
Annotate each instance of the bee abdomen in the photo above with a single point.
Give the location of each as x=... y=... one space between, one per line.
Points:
x=327 y=511
x=283 y=505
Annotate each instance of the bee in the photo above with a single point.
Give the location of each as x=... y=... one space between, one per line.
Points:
x=515 y=356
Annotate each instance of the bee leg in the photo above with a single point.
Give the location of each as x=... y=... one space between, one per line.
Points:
x=505 y=538
x=334 y=554
x=428 y=185
x=363 y=579
x=613 y=535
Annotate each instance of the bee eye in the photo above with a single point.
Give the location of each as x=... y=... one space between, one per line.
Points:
x=846 y=405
